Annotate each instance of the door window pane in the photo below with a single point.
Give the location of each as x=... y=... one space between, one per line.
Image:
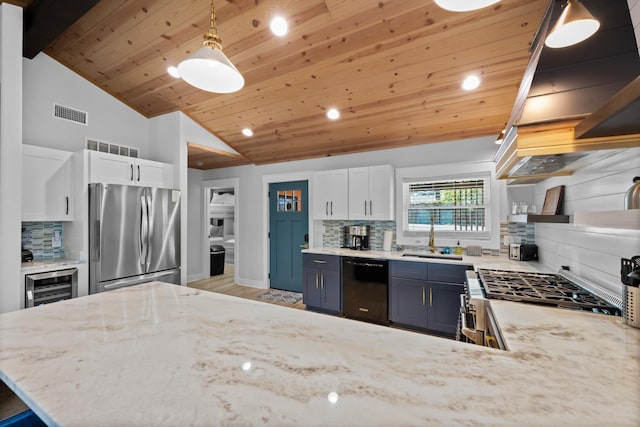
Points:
x=289 y=200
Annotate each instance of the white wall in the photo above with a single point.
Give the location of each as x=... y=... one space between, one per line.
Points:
x=46 y=81
x=251 y=205
x=195 y=220
x=590 y=252
x=10 y=154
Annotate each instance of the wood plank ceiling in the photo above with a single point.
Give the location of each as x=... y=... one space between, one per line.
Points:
x=393 y=68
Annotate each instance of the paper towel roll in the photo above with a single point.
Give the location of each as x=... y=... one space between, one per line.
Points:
x=386 y=243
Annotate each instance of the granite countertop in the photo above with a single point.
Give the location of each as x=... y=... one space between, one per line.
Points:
x=160 y=354
x=48 y=264
x=489 y=262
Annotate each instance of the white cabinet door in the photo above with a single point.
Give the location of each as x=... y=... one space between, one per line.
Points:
x=115 y=169
x=331 y=194
x=47 y=184
x=371 y=195
x=110 y=168
x=153 y=174
x=359 y=193
x=381 y=193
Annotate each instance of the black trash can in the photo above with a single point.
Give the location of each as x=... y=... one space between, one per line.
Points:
x=217 y=260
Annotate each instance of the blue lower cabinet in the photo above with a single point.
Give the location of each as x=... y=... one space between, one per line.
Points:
x=23 y=419
x=322 y=289
x=417 y=302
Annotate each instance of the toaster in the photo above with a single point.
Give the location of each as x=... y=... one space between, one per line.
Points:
x=523 y=252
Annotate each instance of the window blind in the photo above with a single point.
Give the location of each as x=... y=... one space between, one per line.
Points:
x=452 y=205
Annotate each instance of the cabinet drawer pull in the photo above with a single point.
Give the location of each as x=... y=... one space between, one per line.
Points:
x=326 y=208
x=322 y=281
x=131 y=179
x=316 y=280
x=366 y=310
x=430 y=297
x=370 y=207
x=319 y=261
x=138 y=173
x=67 y=208
x=331 y=208
x=423 y=297
x=365 y=208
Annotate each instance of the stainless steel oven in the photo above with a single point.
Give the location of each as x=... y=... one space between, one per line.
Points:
x=50 y=286
x=477 y=323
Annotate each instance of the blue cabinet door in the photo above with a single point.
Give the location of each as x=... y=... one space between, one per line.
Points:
x=312 y=294
x=408 y=302
x=331 y=291
x=444 y=307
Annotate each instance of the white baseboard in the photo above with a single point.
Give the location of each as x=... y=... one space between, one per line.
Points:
x=195 y=277
x=259 y=284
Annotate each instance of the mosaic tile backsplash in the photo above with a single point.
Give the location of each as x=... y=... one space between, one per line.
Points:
x=44 y=239
x=333 y=235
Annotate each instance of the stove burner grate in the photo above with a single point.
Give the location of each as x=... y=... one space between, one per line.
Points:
x=541 y=288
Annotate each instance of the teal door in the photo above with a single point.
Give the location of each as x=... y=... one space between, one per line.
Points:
x=288 y=233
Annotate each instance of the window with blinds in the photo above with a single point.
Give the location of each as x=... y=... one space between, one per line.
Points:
x=456 y=206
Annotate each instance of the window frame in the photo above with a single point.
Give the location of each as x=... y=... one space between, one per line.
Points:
x=446 y=172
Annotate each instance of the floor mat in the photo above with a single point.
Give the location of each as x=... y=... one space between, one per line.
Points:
x=281 y=296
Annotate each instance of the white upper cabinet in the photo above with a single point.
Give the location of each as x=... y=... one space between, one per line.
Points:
x=371 y=193
x=331 y=194
x=47 y=184
x=115 y=169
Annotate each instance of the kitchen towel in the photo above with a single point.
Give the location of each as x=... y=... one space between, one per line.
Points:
x=386 y=243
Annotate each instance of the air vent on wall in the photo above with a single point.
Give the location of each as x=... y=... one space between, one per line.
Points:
x=70 y=114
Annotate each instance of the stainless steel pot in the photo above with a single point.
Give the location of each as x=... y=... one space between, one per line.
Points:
x=632 y=197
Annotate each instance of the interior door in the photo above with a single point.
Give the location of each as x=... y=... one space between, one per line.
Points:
x=288 y=233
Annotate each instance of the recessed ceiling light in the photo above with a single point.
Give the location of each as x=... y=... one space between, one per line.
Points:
x=464 y=5
x=173 y=71
x=333 y=397
x=247 y=132
x=333 y=114
x=471 y=83
x=279 y=26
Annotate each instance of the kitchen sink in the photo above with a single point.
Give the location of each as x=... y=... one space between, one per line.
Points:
x=435 y=256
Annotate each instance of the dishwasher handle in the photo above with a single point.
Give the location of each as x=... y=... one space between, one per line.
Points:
x=365 y=264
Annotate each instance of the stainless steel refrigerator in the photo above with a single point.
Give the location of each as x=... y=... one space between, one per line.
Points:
x=134 y=236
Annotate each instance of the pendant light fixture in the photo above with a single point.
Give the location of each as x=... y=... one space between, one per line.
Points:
x=208 y=68
x=574 y=25
x=464 y=5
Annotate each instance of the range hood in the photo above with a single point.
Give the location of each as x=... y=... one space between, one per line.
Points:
x=575 y=105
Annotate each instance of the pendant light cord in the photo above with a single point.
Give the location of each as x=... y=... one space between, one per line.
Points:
x=211 y=39
x=213 y=29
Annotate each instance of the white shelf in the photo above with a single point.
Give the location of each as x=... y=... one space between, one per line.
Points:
x=609 y=219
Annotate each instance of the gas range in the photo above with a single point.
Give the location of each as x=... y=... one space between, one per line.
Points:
x=559 y=290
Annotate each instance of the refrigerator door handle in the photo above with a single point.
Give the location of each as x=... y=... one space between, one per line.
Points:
x=143 y=230
x=147 y=236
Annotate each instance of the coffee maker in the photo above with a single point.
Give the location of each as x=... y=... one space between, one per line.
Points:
x=356 y=237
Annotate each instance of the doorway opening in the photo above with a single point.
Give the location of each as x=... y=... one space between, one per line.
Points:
x=220 y=237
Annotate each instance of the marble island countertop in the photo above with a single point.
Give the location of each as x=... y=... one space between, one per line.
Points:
x=160 y=354
x=486 y=261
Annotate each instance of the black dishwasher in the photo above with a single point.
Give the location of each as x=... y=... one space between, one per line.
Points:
x=365 y=289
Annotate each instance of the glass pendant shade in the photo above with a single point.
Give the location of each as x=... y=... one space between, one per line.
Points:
x=209 y=69
x=574 y=25
x=464 y=5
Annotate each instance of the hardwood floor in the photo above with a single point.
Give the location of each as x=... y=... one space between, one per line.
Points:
x=10 y=404
x=224 y=284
